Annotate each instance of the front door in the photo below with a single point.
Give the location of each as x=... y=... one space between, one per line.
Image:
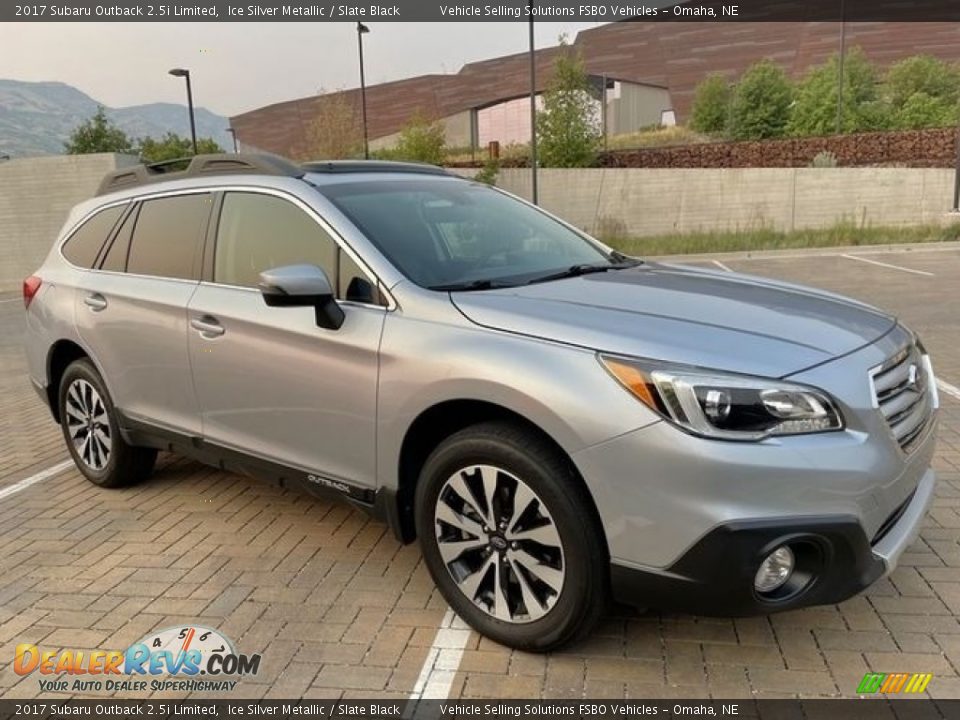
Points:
x=268 y=381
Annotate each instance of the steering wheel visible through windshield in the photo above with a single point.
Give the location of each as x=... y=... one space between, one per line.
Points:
x=446 y=234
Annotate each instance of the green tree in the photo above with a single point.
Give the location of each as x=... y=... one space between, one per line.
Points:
x=568 y=132
x=815 y=109
x=488 y=173
x=421 y=140
x=924 y=111
x=711 y=105
x=922 y=91
x=335 y=132
x=921 y=74
x=98 y=135
x=761 y=103
x=172 y=146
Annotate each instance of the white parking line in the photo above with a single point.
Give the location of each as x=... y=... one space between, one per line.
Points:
x=949 y=389
x=443 y=659
x=722 y=266
x=9 y=300
x=34 y=479
x=887 y=265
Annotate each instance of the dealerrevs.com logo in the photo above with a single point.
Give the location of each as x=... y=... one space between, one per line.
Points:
x=894 y=683
x=192 y=658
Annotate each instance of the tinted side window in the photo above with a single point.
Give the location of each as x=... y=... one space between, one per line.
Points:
x=84 y=245
x=167 y=235
x=259 y=232
x=116 y=257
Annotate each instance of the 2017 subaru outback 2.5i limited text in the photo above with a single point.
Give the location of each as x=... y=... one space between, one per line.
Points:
x=554 y=421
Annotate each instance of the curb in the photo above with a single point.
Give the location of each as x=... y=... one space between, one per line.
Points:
x=814 y=252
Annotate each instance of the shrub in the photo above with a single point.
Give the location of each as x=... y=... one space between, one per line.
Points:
x=568 y=132
x=711 y=105
x=921 y=92
x=172 y=146
x=761 y=103
x=421 y=140
x=815 y=109
x=921 y=74
x=824 y=159
x=488 y=173
x=336 y=131
x=923 y=111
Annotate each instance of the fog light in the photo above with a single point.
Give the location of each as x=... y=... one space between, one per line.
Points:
x=775 y=570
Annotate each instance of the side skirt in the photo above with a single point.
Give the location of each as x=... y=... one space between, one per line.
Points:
x=374 y=502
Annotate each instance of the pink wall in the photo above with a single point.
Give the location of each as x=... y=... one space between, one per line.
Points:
x=507 y=122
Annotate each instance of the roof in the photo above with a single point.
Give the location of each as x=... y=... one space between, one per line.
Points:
x=262 y=164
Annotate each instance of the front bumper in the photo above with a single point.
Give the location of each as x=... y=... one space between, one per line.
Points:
x=659 y=491
x=835 y=560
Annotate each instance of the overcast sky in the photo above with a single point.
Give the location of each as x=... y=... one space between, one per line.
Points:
x=237 y=67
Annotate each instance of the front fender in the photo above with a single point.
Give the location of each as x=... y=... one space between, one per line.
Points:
x=561 y=389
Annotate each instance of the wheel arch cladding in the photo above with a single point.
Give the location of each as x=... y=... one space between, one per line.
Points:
x=59 y=358
x=440 y=421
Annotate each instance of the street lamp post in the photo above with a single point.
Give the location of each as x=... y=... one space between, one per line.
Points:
x=956 y=178
x=533 y=110
x=840 y=62
x=361 y=31
x=182 y=72
x=233 y=136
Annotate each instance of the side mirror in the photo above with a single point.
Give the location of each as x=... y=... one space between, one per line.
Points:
x=302 y=286
x=360 y=290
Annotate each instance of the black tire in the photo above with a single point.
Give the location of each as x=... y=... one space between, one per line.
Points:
x=526 y=457
x=112 y=465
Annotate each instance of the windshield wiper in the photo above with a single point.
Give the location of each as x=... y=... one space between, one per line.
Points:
x=484 y=284
x=583 y=269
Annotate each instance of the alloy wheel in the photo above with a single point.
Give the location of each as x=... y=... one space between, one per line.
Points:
x=499 y=543
x=88 y=424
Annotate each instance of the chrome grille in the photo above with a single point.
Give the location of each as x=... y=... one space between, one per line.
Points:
x=902 y=394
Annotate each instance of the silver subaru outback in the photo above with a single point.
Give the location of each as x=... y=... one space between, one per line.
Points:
x=555 y=422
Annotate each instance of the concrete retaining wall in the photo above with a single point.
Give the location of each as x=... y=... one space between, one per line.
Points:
x=35 y=196
x=640 y=202
x=37 y=193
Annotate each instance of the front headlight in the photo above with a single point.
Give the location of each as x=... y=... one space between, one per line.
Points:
x=725 y=406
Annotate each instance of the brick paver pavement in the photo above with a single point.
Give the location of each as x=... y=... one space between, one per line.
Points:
x=339 y=609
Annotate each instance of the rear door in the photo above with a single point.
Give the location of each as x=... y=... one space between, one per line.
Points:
x=269 y=381
x=131 y=309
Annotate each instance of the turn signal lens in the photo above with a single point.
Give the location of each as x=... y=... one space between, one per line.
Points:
x=634 y=380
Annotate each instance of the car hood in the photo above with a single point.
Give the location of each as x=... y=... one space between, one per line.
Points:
x=687 y=315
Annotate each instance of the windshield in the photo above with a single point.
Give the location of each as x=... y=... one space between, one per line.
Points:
x=444 y=234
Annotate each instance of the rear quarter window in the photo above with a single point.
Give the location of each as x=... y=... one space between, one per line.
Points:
x=115 y=258
x=167 y=236
x=83 y=245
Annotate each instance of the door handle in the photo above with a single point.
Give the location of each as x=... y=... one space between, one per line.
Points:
x=207 y=326
x=95 y=301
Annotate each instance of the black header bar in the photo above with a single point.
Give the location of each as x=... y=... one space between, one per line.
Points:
x=482 y=11
x=53 y=708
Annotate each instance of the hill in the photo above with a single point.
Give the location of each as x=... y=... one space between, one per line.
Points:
x=36 y=118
